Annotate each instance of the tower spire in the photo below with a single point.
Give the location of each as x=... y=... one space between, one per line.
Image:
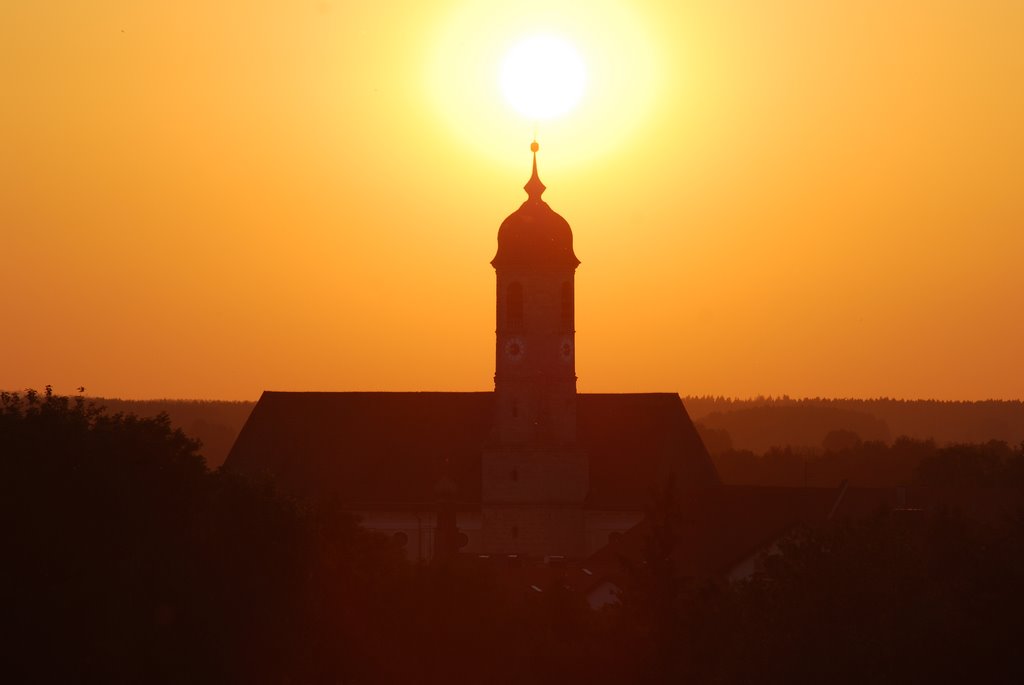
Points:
x=534 y=188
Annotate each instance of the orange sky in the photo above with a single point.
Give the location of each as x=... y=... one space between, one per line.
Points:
x=208 y=199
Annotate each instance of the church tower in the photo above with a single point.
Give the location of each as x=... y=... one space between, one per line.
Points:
x=534 y=477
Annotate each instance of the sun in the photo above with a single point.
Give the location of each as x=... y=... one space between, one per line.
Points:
x=543 y=77
x=584 y=75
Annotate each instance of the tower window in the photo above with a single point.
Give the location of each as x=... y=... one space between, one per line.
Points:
x=515 y=532
x=514 y=475
x=567 y=313
x=514 y=305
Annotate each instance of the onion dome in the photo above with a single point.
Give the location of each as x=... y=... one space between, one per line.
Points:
x=534 y=234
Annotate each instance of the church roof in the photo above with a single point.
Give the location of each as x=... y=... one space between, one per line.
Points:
x=392 y=448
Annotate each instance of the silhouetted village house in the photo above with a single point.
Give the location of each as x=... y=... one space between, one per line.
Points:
x=533 y=468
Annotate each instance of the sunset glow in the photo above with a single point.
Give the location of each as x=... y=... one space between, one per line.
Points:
x=804 y=198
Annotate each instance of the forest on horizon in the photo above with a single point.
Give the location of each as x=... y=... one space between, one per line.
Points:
x=754 y=425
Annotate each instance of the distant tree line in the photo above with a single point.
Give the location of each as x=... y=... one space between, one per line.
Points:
x=873 y=463
x=760 y=423
x=127 y=560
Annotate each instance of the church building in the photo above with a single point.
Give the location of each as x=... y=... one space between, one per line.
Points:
x=533 y=468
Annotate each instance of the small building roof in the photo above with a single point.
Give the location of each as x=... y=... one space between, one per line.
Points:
x=718 y=528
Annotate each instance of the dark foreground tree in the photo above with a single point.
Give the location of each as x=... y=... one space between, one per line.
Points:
x=125 y=560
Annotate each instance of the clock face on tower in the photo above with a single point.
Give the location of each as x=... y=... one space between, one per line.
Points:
x=514 y=348
x=565 y=349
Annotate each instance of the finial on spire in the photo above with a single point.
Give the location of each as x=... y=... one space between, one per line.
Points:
x=534 y=188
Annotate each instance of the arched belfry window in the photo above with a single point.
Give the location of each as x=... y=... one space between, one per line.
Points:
x=567 y=308
x=514 y=305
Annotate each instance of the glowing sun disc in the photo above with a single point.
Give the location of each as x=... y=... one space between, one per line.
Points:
x=543 y=77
